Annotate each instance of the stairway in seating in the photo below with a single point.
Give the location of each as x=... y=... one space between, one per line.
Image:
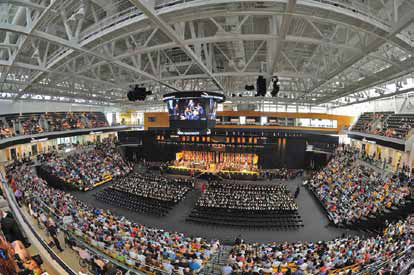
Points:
x=217 y=261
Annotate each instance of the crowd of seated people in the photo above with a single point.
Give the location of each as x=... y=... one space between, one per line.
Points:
x=351 y=192
x=37 y=123
x=154 y=186
x=247 y=197
x=246 y=205
x=141 y=247
x=31 y=126
x=282 y=173
x=323 y=257
x=5 y=131
x=85 y=168
x=65 y=121
x=146 y=193
x=399 y=125
x=364 y=122
x=223 y=166
x=138 y=245
x=385 y=124
x=97 y=120
x=14 y=257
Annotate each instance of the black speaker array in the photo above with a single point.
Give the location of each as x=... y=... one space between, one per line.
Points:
x=249 y=87
x=138 y=93
x=276 y=87
x=261 y=86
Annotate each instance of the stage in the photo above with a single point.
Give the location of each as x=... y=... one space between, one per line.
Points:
x=210 y=173
x=212 y=164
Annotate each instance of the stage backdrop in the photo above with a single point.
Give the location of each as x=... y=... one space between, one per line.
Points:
x=273 y=152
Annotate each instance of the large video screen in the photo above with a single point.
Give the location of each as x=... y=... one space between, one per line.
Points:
x=192 y=110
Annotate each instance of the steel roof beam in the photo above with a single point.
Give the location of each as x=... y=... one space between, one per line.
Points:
x=22 y=3
x=398 y=27
x=75 y=92
x=380 y=77
x=45 y=70
x=377 y=97
x=29 y=29
x=76 y=47
x=229 y=38
x=283 y=30
x=164 y=27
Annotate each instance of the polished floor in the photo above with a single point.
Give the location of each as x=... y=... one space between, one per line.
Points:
x=316 y=225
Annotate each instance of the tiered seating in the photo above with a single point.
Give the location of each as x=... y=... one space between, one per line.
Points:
x=64 y=121
x=146 y=193
x=35 y=123
x=29 y=122
x=399 y=125
x=86 y=169
x=150 y=250
x=135 y=244
x=386 y=124
x=134 y=202
x=282 y=173
x=345 y=255
x=247 y=205
x=97 y=120
x=283 y=220
x=363 y=122
x=5 y=130
x=354 y=194
x=366 y=121
x=13 y=252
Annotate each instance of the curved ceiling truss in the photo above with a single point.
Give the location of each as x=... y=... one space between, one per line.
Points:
x=92 y=51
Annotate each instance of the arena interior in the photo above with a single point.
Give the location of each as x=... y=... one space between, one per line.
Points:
x=209 y=137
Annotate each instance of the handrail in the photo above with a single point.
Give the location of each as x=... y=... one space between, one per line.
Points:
x=43 y=134
x=374 y=267
x=29 y=230
x=59 y=217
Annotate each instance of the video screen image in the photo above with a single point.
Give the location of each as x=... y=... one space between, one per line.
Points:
x=190 y=109
x=212 y=109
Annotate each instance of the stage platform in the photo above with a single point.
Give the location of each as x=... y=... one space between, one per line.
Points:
x=225 y=174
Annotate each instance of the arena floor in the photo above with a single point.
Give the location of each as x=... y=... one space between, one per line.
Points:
x=316 y=223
